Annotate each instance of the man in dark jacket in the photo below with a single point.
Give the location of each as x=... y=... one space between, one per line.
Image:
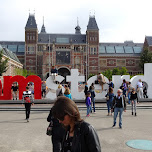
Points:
x=119 y=105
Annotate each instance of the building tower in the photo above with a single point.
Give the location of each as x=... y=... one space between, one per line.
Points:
x=31 y=39
x=77 y=28
x=92 y=40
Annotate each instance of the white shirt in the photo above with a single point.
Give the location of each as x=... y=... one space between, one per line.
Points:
x=139 y=84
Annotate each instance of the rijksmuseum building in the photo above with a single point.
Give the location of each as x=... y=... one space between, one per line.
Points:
x=74 y=51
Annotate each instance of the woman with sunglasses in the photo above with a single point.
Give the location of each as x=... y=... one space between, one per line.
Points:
x=80 y=136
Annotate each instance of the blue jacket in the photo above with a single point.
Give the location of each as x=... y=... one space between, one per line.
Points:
x=88 y=101
x=68 y=96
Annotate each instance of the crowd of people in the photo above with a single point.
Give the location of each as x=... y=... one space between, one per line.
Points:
x=68 y=130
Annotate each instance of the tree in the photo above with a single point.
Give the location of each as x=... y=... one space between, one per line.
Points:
x=3 y=64
x=116 y=71
x=23 y=72
x=145 y=57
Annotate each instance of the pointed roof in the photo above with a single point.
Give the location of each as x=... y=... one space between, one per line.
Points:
x=149 y=40
x=43 y=27
x=92 y=24
x=31 y=22
x=77 y=28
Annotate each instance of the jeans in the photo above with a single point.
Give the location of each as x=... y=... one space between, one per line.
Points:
x=89 y=109
x=133 y=104
x=129 y=93
x=116 y=110
x=109 y=105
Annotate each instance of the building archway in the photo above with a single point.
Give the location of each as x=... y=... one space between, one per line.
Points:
x=63 y=71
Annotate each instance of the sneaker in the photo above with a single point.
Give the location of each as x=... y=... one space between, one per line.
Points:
x=135 y=114
x=27 y=120
x=132 y=113
x=88 y=115
x=113 y=126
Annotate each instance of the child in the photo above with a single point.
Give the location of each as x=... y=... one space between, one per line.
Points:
x=88 y=104
x=134 y=100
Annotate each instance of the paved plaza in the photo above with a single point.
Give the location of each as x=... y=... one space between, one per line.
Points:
x=16 y=135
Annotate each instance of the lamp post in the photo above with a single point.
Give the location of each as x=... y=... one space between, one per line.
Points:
x=49 y=57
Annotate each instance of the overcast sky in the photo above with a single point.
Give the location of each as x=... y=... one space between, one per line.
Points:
x=118 y=20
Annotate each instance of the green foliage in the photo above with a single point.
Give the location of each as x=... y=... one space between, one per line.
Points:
x=23 y=72
x=3 y=64
x=91 y=75
x=108 y=73
x=145 y=57
x=116 y=71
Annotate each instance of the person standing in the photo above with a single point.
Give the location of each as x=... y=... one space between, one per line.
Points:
x=80 y=136
x=88 y=104
x=67 y=93
x=119 y=105
x=27 y=99
x=59 y=91
x=58 y=132
x=109 y=97
x=86 y=89
x=111 y=85
x=124 y=87
x=129 y=91
x=43 y=89
x=134 y=100
x=14 y=91
x=140 y=88
x=91 y=90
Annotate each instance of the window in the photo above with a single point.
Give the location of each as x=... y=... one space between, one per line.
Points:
x=30 y=50
x=95 y=51
x=119 y=49
x=128 y=49
x=110 y=49
x=12 y=48
x=21 y=48
x=92 y=51
x=137 y=49
x=102 y=49
x=62 y=40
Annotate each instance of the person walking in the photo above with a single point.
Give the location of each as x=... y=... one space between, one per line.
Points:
x=80 y=136
x=58 y=132
x=109 y=98
x=88 y=104
x=91 y=90
x=134 y=100
x=119 y=105
x=27 y=100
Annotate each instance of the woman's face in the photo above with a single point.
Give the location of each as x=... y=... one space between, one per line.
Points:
x=66 y=121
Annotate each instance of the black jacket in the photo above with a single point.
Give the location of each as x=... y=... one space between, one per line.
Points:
x=118 y=102
x=85 y=139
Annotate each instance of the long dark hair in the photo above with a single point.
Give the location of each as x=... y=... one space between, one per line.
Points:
x=65 y=106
